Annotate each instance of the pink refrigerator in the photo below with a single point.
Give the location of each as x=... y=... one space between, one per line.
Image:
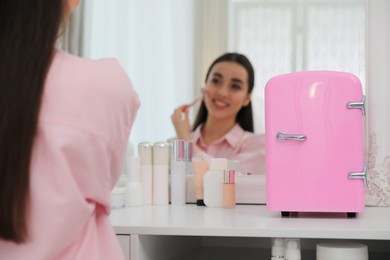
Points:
x=315 y=162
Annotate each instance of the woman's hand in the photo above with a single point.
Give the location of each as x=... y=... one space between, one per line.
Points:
x=181 y=122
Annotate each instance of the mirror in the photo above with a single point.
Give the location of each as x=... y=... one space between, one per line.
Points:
x=167 y=46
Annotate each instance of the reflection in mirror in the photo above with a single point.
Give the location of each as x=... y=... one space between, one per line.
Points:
x=166 y=46
x=287 y=36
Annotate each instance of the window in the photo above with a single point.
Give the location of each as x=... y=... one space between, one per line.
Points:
x=287 y=36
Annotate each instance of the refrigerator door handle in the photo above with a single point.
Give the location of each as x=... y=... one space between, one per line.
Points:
x=282 y=137
x=359 y=175
x=360 y=105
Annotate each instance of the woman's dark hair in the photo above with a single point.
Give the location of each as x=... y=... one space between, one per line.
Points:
x=28 y=31
x=244 y=117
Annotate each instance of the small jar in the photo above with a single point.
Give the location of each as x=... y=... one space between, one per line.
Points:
x=341 y=250
x=229 y=189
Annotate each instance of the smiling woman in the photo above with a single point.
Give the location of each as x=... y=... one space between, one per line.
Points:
x=279 y=36
x=224 y=124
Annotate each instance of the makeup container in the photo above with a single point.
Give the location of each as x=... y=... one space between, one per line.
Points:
x=342 y=250
x=134 y=192
x=229 y=189
x=118 y=197
x=278 y=249
x=293 y=249
x=161 y=152
x=189 y=152
x=213 y=182
x=200 y=168
x=178 y=173
x=145 y=152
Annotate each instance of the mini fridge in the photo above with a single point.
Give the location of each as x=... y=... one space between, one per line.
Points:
x=315 y=143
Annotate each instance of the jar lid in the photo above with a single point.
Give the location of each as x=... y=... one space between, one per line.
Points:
x=161 y=152
x=218 y=164
x=178 y=150
x=145 y=151
x=342 y=250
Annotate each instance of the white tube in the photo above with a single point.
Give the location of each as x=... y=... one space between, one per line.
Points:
x=145 y=151
x=178 y=172
x=160 y=173
x=147 y=183
x=161 y=183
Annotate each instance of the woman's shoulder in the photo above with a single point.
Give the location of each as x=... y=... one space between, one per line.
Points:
x=95 y=70
x=82 y=76
x=93 y=93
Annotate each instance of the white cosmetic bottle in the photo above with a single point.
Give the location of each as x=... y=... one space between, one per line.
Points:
x=189 y=151
x=293 y=250
x=278 y=249
x=213 y=182
x=160 y=173
x=178 y=172
x=133 y=193
x=145 y=152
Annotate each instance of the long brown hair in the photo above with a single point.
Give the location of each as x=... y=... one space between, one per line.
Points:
x=28 y=31
x=244 y=117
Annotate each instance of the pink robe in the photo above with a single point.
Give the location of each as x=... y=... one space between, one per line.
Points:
x=88 y=108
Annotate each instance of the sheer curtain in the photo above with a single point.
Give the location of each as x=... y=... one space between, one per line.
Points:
x=153 y=41
x=378 y=96
x=72 y=34
x=283 y=36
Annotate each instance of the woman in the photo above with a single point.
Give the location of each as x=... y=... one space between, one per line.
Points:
x=224 y=125
x=64 y=127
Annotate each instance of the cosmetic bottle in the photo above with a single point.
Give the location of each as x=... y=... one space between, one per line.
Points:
x=293 y=250
x=145 y=152
x=200 y=168
x=342 y=250
x=160 y=173
x=189 y=152
x=213 y=182
x=229 y=189
x=178 y=173
x=278 y=249
x=133 y=193
x=118 y=197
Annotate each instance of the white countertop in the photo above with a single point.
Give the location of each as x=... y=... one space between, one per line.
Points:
x=249 y=221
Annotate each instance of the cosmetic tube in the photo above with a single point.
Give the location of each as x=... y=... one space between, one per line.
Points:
x=213 y=182
x=200 y=168
x=145 y=152
x=160 y=173
x=178 y=172
x=278 y=250
x=189 y=152
x=133 y=193
x=229 y=189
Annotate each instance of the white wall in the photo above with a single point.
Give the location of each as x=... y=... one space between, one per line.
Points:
x=378 y=95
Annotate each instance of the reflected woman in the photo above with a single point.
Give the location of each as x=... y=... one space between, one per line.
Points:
x=223 y=127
